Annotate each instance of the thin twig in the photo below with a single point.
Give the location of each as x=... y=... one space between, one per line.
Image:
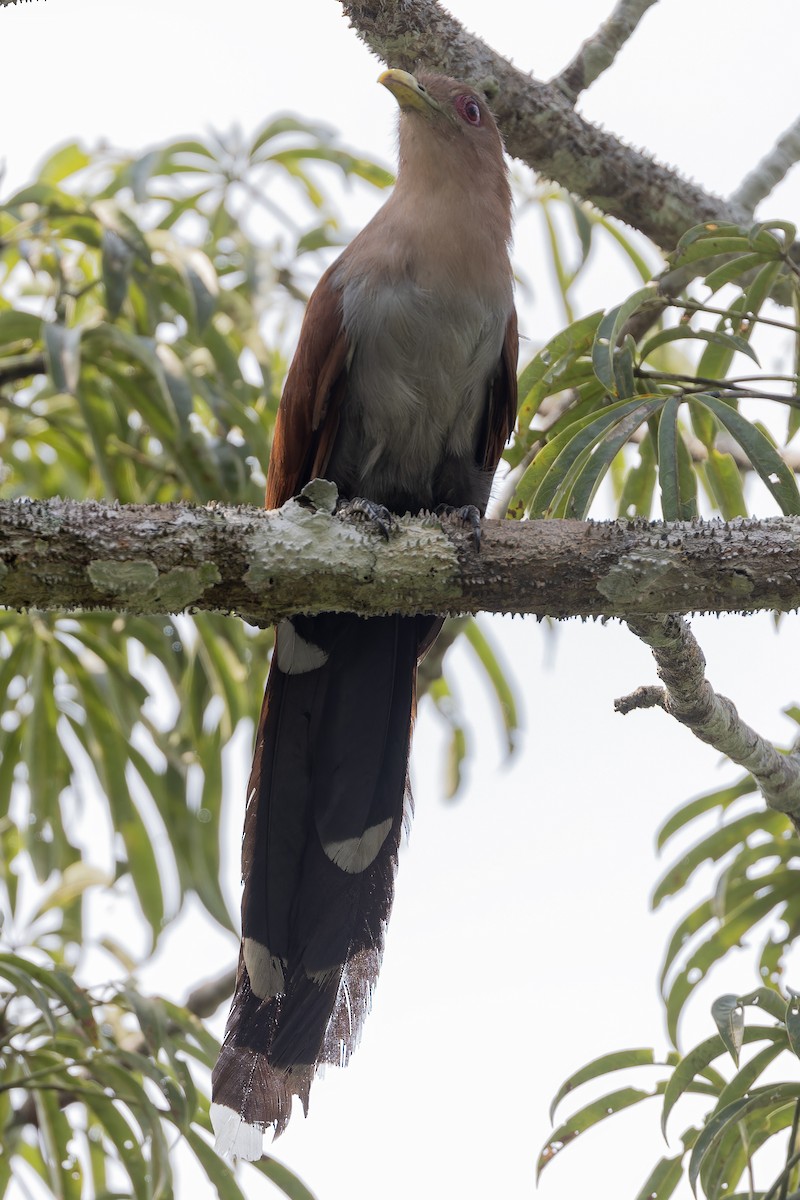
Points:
x=770 y=171
x=22 y=368
x=648 y=696
x=697 y=306
x=712 y=718
x=599 y=51
x=703 y=383
x=205 y=999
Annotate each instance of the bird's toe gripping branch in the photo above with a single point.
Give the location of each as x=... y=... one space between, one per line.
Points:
x=466 y=515
x=366 y=512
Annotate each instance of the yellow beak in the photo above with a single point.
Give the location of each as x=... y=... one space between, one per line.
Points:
x=406 y=90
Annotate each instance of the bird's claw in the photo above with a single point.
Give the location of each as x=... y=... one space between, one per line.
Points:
x=466 y=515
x=367 y=511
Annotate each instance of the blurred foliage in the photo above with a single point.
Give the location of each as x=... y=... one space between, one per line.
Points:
x=106 y=1083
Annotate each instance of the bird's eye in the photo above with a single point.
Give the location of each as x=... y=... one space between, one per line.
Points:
x=470 y=109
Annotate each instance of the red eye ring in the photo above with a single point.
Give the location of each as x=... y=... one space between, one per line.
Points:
x=470 y=109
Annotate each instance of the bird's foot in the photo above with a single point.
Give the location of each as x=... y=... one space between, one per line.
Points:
x=368 y=512
x=467 y=515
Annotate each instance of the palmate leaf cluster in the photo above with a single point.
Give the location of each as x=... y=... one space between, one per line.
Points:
x=608 y=379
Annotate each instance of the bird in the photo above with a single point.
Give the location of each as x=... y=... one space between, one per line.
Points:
x=403 y=392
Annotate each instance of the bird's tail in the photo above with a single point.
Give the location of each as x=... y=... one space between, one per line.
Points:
x=325 y=810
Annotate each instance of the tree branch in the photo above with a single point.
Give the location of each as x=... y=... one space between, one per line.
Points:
x=58 y=555
x=599 y=51
x=22 y=368
x=690 y=699
x=767 y=174
x=540 y=125
x=205 y=999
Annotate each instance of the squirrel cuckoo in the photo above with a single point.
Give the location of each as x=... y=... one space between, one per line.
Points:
x=402 y=390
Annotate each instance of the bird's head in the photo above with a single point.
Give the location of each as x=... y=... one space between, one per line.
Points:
x=442 y=120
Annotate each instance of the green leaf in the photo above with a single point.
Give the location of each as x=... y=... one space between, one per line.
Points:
x=109 y=753
x=591 y=475
x=276 y=126
x=732 y=929
x=694 y=1063
x=721 y=798
x=349 y=164
x=118 y=259
x=283 y=1178
x=604 y=348
x=126 y=1140
x=636 y=498
x=770 y=1097
x=620 y=1060
x=760 y=289
x=734 y=270
x=725 y=482
x=63 y=355
x=778 y=478
x=729 y=1018
x=792 y=1022
x=319 y=238
x=106 y=344
x=743 y=1081
x=55 y=1134
x=496 y=677
x=61 y=163
x=675 y=506
x=599 y=1110
x=75 y=880
x=768 y=1000
x=552 y=473
x=711 y=240
x=218 y=1171
x=718 y=842
x=59 y=984
x=704 y=426
x=19 y=327
x=662 y=1180
x=730 y=341
x=542 y=376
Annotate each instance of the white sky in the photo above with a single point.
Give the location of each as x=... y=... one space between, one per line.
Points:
x=521 y=944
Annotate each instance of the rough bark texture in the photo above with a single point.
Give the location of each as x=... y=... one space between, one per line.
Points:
x=689 y=697
x=539 y=124
x=598 y=52
x=61 y=555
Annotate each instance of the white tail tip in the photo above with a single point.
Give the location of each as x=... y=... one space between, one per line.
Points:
x=234 y=1138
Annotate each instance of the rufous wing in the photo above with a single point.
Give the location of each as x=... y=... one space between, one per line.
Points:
x=308 y=416
x=501 y=413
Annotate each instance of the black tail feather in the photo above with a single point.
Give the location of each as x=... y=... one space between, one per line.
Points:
x=325 y=813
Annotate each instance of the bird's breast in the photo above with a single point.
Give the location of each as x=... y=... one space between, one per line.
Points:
x=419 y=372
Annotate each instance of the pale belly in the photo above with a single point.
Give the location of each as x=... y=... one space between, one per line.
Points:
x=418 y=386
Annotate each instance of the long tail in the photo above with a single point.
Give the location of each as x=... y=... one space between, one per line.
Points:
x=326 y=802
